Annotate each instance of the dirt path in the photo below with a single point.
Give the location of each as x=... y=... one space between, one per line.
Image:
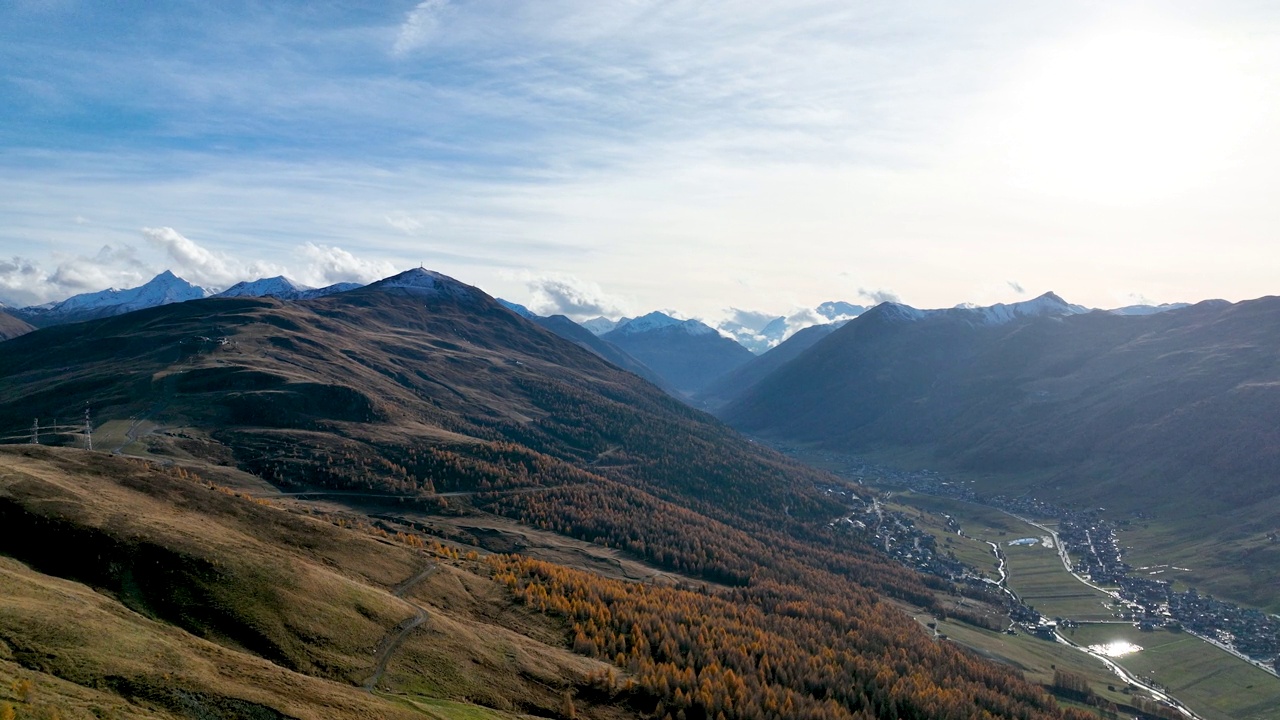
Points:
x=397 y=634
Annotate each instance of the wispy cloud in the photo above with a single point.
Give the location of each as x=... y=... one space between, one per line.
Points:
x=419 y=26
x=660 y=149
x=1015 y=286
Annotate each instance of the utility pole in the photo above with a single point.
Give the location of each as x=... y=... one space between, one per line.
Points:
x=35 y=431
x=88 y=430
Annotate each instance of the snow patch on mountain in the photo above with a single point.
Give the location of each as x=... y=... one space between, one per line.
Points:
x=278 y=286
x=1047 y=305
x=601 y=325
x=420 y=281
x=283 y=288
x=657 y=320
x=1148 y=309
x=163 y=289
x=516 y=308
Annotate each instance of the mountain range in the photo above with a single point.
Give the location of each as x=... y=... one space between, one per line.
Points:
x=283 y=288
x=1172 y=415
x=420 y=405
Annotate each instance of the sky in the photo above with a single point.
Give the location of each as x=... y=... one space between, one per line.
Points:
x=615 y=157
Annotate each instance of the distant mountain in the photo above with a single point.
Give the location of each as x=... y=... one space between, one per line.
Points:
x=1148 y=309
x=163 y=289
x=1174 y=413
x=686 y=354
x=757 y=338
x=584 y=338
x=284 y=288
x=517 y=308
x=575 y=333
x=601 y=325
x=12 y=327
x=758 y=332
x=837 y=309
x=737 y=381
x=1047 y=305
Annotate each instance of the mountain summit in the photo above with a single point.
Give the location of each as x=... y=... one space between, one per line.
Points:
x=686 y=354
x=423 y=282
x=163 y=289
x=661 y=321
x=1046 y=305
x=284 y=288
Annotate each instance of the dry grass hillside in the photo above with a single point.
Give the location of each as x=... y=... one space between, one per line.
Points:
x=132 y=590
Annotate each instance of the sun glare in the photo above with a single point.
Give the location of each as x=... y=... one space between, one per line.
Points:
x=1128 y=115
x=1118 y=648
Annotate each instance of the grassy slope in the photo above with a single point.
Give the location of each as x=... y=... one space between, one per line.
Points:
x=312 y=600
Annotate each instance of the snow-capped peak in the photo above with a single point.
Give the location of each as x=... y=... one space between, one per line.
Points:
x=163 y=289
x=420 y=281
x=278 y=286
x=601 y=325
x=1048 y=304
x=657 y=320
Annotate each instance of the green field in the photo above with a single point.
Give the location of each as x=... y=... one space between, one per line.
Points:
x=1236 y=562
x=1035 y=571
x=1214 y=683
x=1037 y=575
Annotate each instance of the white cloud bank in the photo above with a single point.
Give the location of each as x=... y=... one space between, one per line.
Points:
x=567 y=295
x=24 y=281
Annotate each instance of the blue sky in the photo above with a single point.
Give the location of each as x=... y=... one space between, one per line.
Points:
x=625 y=156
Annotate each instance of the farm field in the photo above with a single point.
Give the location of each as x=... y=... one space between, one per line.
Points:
x=1210 y=681
x=1035 y=571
